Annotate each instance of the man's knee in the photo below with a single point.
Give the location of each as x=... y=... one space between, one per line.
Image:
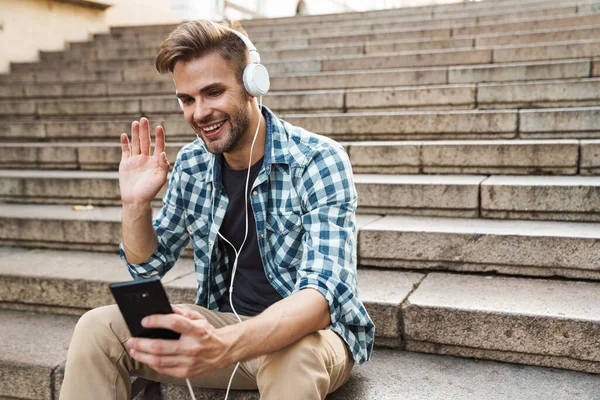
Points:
x=100 y=324
x=297 y=368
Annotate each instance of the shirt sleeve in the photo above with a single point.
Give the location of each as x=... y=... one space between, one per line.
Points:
x=329 y=242
x=170 y=227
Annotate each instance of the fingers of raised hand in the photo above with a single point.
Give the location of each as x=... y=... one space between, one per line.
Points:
x=125 y=149
x=159 y=143
x=145 y=136
x=135 y=138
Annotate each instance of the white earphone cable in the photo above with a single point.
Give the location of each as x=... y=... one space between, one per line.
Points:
x=237 y=252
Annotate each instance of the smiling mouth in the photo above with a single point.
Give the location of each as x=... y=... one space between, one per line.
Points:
x=213 y=130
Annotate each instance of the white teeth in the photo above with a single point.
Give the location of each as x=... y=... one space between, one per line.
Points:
x=213 y=127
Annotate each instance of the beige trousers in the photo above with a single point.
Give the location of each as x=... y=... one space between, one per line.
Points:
x=99 y=366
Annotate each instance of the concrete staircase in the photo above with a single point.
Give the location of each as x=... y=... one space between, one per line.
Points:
x=473 y=132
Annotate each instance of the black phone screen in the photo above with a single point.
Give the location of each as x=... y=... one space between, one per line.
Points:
x=140 y=298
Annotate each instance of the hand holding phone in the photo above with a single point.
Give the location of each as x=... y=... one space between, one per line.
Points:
x=139 y=299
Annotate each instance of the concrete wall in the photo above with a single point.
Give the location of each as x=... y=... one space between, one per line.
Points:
x=28 y=26
x=142 y=12
x=32 y=25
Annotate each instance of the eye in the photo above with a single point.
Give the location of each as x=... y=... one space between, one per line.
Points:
x=187 y=100
x=215 y=93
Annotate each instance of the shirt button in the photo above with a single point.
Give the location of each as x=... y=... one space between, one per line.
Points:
x=270 y=276
x=190 y=230
x=262 y=235
x=255 y=193
x=210 y=243
x=220 y=206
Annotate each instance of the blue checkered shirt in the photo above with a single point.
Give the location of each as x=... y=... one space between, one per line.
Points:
x=304 y=202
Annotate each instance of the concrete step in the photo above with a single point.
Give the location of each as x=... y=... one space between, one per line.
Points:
x=508 y=157
x=425 y=243
x=131 y=49
x=385 y=194
x=281 y=47
x=73 y=282
x=128 y=81
x=442 y=10
x=541 y=198
x=528 y=321
x=33 y=348
x=392 y=372
x=410 y=125
x=461 y=24
x=483 y=379
x=557 y=93
x=545 y=248
x=434 y=11
x=61 y=227
x=559 y=198
x=425 y=313
x=387 y=22
x=499 y=124
x=157 y=85
x=567 y=93
x=506 y=54
x=382 y=56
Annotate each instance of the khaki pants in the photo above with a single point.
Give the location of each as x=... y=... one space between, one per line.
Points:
x=99 y=367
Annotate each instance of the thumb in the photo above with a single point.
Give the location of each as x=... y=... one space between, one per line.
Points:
x=163 y=161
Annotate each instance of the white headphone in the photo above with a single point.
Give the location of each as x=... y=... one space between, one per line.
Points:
x=256 y=77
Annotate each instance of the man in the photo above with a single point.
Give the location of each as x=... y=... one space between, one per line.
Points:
x=303 y=326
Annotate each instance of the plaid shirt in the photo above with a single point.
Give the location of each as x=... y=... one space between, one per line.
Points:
x=304 y=204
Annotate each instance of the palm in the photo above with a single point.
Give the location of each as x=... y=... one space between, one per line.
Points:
x=141 y=175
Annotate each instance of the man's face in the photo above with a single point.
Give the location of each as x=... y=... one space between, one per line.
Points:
x=214 y=103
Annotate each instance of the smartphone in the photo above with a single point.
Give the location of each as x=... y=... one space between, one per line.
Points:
x=140 y=298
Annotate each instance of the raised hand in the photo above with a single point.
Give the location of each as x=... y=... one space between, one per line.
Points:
x=142 y=175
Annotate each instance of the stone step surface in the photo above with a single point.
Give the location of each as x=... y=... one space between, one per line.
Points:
x=61 y=227
x=508 y=157
x=530 y=321
x=357 y=20
x=537 y=94
x=542 y=198
x=409 y=309
x=385 y=57
x=390 y=22
x=146 y=47
x=425 y=376
x=74 y=282
x=434 y=11
x=385 y=194
x=558 y=123
x=460 y=25
x=545 y=248
x=500 y=197
x=157 y=85
x=32 y=349
x=34 y=377
x=129 y=80
x=298 y=49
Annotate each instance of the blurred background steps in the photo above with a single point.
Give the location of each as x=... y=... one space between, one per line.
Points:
x=472 y=129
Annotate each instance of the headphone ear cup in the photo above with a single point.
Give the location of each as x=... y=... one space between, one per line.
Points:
x=256 y=79
x=180 y=103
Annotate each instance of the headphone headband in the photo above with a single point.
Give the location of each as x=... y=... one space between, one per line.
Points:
x=256 y=77
x=251 y=48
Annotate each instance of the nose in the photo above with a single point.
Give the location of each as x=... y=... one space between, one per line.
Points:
x=201 y=110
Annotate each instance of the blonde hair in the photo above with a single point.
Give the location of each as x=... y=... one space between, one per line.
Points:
x=200 y=37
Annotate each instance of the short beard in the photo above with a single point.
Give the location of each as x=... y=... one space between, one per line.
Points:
x=239 y=121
